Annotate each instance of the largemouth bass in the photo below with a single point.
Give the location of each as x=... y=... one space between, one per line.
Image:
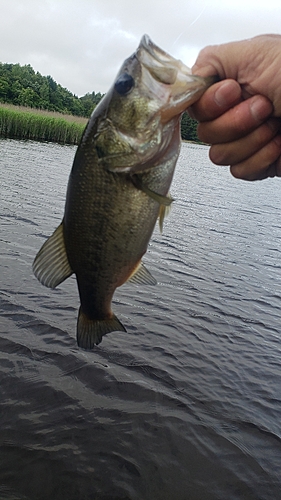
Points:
x=119 y=185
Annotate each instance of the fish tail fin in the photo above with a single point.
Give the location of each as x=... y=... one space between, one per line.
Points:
x=91 y=331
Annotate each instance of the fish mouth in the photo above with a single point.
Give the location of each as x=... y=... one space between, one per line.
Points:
x=183 y=87
x=156 y=53
x=162 y=66
x=153 y=57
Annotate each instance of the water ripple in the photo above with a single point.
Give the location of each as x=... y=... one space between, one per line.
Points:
x=187 y=403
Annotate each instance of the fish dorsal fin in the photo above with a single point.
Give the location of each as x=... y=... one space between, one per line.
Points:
x=163 y=212
x=141 y=276
x=51 y=265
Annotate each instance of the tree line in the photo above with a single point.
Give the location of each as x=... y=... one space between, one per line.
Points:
x=22 y=86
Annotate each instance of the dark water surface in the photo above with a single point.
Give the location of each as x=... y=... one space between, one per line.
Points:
x=186 y=405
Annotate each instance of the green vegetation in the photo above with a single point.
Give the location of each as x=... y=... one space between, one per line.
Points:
x=189 y=128
x=20 y=85
x=31 y=93
x=26 y=123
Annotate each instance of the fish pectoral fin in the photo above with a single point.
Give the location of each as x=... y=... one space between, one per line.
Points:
x=161 y=199
x=163 y=212
x=90 y=332
x=51 y=265
x=142 y=276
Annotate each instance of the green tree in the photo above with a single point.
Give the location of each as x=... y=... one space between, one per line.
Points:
x=89 y=102
x=27 y=97
x=4 y=89
x=21 y=85
x=189 y=128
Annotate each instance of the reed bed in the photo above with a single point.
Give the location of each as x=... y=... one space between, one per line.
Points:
x=18 y=122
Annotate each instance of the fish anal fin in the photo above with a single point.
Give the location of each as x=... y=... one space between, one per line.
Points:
x=164 y=211
x=90 y=332
x=51 y=265
x=142 y=276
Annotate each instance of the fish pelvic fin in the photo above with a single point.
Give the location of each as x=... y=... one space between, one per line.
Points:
x=51 y=265
x=91 y=331
x=141 y=276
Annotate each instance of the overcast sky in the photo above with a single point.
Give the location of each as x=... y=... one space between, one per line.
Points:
x=82 y=43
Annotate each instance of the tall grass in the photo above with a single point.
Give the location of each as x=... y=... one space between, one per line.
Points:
x=18 y=122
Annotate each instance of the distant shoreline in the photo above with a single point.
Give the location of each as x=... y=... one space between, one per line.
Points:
x=19 y=122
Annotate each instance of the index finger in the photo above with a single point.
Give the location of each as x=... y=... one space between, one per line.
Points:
x=216 y=100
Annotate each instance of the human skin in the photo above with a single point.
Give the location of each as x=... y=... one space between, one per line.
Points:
x=240 y=116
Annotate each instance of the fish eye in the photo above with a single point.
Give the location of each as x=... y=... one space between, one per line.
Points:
x=124 y=84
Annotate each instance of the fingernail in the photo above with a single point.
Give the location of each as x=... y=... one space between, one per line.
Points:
x=261 y=108
x=226 y=94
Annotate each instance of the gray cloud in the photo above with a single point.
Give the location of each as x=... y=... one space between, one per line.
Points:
x=82 y=44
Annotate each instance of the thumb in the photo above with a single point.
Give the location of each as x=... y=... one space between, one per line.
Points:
x=222 y=60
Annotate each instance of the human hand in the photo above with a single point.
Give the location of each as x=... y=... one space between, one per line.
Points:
x=241 y=116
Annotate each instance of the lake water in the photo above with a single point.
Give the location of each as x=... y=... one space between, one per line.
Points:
x=187 y=404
